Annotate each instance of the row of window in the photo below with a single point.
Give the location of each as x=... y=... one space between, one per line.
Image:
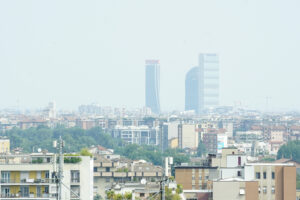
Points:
x=258 y=175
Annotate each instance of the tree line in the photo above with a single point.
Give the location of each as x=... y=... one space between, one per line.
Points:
x=76 y=139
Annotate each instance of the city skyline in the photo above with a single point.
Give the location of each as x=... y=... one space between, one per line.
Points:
x=96 y=51
x=202 y=84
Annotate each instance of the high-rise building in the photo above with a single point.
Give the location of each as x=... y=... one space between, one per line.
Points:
x=194 y=90
x=202 y=84
x=209 y=64
x=152 y=85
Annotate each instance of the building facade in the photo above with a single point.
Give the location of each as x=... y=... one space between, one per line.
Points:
x=33 y=177
x=153 y=85
x=137 y=134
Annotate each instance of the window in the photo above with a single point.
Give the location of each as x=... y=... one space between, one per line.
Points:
x=239 y=173
x=38 y=191
x=75 y=176
x=5 y=191
x=24 y=191
x=47 y=174
x=239 y=161
x=273 y=175
x=75 y=191
x=46 y=190
x=273 y=190
x=107 y=180
x=107 y=169
x=265 y=175
x=95 y=169
x=265 y=190
x=5 y=177
x=257 y=175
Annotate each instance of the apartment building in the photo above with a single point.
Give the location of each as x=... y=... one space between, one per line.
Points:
x=33 y=177
x=113 y=169
x=275 y=180
x=235 y=189
x=196 y=177
x=4 y=145
x=188 y=136
x=137 y=134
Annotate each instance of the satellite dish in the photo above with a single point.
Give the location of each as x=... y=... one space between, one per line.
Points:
x=143 y=181
x=39 y=150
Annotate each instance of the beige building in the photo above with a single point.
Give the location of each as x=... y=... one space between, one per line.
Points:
x=195 y=177
x=188 y=136
x=112 y=169
x=275 y=180
x=235 y=189
x=4 y=145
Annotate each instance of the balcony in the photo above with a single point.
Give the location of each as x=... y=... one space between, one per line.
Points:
x=19 y=196
x=25 y=181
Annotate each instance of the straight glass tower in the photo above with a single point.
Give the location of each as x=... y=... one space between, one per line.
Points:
x=202 y=84
x=152 y=85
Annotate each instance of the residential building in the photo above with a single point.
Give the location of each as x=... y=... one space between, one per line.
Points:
x=33 y=177
x=152 y=85
x=4 y=145
x=275 y=180
x=110 y=170
x=188 y=136
x=235 y=189
x=137 y=134
x=196 y=177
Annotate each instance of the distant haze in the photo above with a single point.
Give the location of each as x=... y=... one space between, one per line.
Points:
x=79 y=52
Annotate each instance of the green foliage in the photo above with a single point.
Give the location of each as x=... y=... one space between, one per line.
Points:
x=201 y=150
x=112 y=196
x=72 y=159
x=290 y=150
x=38 y=160
x=77 y=140
x=268 y=159
x=85 y=152
x=179 y=189
x=122 y=170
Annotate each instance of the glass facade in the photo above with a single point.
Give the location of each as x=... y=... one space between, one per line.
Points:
x=202 y=84
x=152 y=85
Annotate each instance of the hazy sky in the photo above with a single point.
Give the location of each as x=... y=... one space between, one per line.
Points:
x=79 y=52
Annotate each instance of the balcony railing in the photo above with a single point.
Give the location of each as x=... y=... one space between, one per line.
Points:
x=44 y=195
x=27 y=180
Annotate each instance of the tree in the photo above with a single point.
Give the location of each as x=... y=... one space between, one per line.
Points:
x=291 y=150
x=85 y=152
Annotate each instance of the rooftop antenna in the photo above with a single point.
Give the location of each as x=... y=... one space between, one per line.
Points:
x=60 y=144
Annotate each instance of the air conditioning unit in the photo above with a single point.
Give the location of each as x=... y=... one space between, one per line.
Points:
x=242 y=191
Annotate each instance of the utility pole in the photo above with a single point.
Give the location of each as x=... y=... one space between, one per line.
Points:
x=59 y=176
x=60 y=168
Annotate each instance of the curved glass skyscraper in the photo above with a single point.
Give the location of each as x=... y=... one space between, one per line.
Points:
x=152 y=85
x=194 y=90
x=202 y=84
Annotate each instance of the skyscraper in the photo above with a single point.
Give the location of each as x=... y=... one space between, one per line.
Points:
x=202 y=84
x=209 y=63
x=194 y=90
x=152 y=85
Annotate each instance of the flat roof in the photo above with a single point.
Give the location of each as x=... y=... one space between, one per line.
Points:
x=197 y=167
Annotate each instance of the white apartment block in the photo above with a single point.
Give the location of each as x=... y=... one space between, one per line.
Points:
x=32 y=177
